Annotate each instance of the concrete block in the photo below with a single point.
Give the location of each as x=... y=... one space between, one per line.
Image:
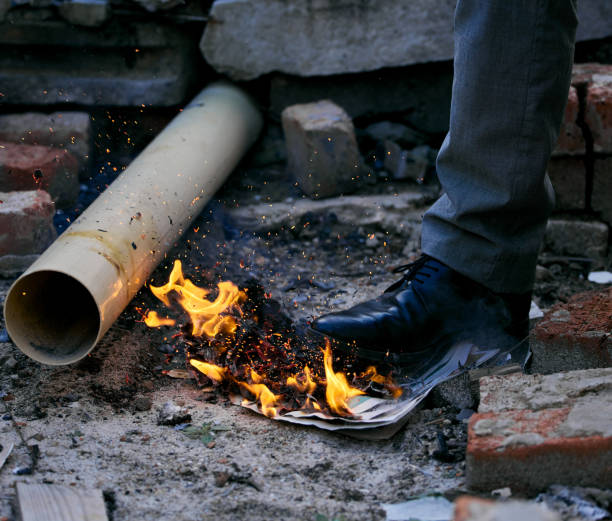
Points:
x=580 y=238
x=249 y=39
x=574 y=335
x=135 y=62
x=70 y=130
x=469 y=508
x=30 y=167
x=89 y=13
x=601 y=198
x=532 y=431
x=322 y=152
x=571 y=140
x=598 y=113
x=26 y=222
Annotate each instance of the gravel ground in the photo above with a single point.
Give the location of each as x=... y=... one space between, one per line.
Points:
x=95 y=424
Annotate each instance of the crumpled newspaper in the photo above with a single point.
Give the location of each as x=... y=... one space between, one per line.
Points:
x=381 y=418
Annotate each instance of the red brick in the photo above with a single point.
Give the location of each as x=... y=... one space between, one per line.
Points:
x=598 y=113
x=532 y=431
x=30 y=167
x=575 y=335
x=26 y=222
x=69 y=130
x=601 y=198
x=571 y=139
x=568 y=176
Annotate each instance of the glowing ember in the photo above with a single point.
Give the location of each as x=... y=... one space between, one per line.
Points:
x=250 y=345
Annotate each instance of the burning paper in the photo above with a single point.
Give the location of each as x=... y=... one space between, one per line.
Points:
x=239 y=340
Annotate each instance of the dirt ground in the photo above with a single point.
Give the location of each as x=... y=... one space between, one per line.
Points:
x=95 y=424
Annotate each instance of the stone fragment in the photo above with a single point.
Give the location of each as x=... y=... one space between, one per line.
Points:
x=601 y=198
x=598 y=113
x=403 y=135
x=571 y=139
x=26 y=222
x=172 y=414
x=532 y=431
x=322 y=152
x=402 y=164
x=574 y=335
x=248 y=39
x=579 y=238
x=30 y=167
x=142 y=403
x=469 y=508
x=568 y=176
x=89 y=13
x=69 y=130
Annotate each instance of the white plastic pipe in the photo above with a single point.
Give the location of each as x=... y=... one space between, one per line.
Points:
x=63 y=304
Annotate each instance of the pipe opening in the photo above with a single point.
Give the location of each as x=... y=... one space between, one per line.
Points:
x=52 y=317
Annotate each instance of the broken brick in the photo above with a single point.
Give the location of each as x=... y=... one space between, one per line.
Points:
x=26 y=222
x=469 y=508
x=532 y=431
x=31 y=167
x=568 y=176
x=67 y=130
x=598 y=113
x=574 y=335
x=601 y=198
x=571 y=139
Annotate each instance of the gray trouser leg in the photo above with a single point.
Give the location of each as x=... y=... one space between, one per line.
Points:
x=513 y=62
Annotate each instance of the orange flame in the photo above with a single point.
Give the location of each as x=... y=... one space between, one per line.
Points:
x=214 y=372
x=372 y=375
x=266 y=398
x=206 y=316
x=305 y=384
x=152 y=319
x=338 y=391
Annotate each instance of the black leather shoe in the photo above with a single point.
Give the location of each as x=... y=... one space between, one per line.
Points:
x=431 y=307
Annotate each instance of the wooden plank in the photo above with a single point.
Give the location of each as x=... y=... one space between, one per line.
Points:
x=59 y=503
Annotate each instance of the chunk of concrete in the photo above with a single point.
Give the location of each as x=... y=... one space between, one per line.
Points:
x=246 y=39
x=89 y=13
x=322 y=152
